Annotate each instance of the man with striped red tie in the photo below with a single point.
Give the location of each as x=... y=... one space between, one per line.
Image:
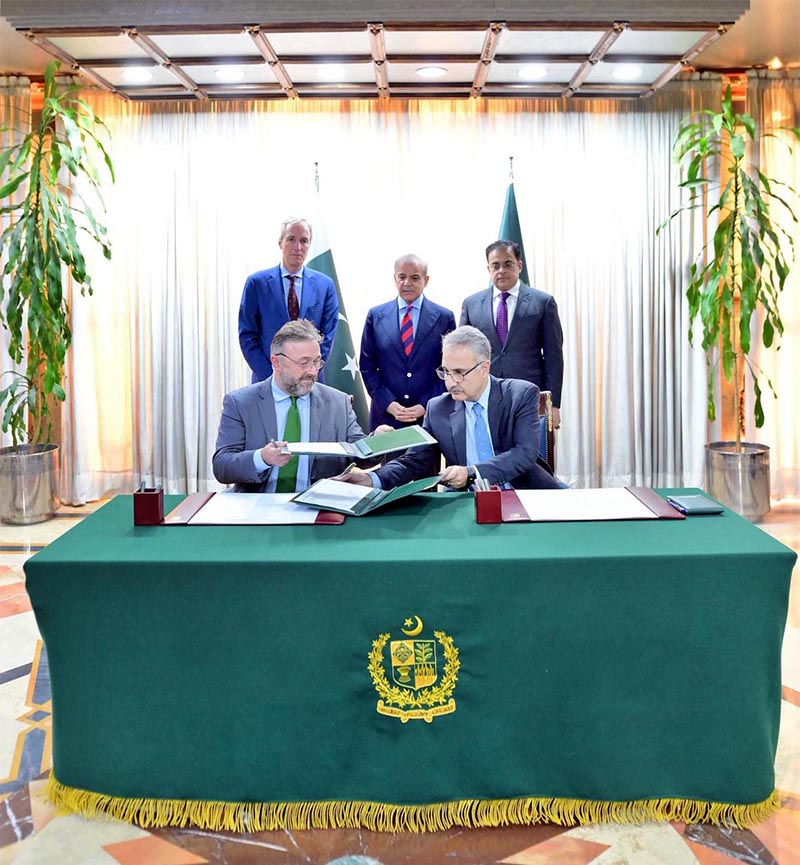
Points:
x=401 y=346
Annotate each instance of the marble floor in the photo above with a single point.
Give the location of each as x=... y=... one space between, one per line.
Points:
x=31 y=833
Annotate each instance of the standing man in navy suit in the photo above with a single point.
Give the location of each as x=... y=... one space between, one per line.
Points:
x=285 y=293
x=521 y=323
x=401 y=347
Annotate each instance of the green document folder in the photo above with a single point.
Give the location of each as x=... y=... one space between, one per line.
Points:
x=371 y=446
x=356 y=500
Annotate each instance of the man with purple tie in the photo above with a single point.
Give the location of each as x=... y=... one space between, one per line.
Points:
x=521 y=323
x=284 y=293
x=401 y=346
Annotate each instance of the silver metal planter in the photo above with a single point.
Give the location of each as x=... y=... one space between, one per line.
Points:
x=739 y=478
x=28 y=483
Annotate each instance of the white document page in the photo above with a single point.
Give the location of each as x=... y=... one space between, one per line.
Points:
x=321 y=448
x=338 y=494
x=257 y=509
x=612 y=503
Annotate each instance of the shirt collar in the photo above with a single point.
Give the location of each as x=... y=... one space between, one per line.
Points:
x=279 y=395
x=514 y=292
x=298 y=276
x=483 y=399
x=417 y=304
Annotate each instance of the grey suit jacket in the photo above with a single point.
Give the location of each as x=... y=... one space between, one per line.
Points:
x=248 y=422
x=514 y=426
x=533 y=349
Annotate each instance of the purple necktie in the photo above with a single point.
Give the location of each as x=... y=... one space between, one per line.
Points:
x=502 y=318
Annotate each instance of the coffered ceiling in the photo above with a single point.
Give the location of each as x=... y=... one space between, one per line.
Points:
x=282 y=50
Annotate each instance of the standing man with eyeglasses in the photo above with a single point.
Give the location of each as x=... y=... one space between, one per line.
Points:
x=290 y=405
x=287 y=292
x=401 y=346
x=520 y=322
x=485 y=426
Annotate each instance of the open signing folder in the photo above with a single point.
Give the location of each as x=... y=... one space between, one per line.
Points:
x=354 y=499
x=371 y=446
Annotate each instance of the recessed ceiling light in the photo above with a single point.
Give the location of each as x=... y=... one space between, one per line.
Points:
x=626 y=72
x=776 y=63
x=137 y=74
x=229 y=74
x=532 y=72
x=331 y=72
x=431 y=72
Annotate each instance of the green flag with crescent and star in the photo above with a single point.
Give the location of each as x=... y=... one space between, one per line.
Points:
x=510 y=229
x=341 y=370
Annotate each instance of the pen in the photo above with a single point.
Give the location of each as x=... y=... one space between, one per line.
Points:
x=349 y=469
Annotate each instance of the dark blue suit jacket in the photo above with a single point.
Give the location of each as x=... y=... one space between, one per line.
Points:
x=388 y=374
x=513 y=424
x=263 y=311
x=533 y=347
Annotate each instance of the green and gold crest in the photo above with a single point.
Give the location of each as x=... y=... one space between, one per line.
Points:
x=424 y=673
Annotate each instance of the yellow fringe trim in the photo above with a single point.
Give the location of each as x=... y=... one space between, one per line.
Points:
x=381 y=817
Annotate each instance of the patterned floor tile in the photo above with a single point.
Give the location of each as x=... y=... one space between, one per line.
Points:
x=562 y=849
x=150 y=850
x=13 y=599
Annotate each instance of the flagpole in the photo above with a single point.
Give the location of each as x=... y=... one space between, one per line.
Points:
x=511 y=168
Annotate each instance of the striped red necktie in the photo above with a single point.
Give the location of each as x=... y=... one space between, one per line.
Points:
x=407 y=331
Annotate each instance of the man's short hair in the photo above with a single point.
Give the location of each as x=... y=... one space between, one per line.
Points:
x=469 y=337
x=504 y=244
x=294 y=220
x=301 y=330
x=411 y=257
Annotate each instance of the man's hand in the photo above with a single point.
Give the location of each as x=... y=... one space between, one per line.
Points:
x=354 y=477
x=556 y=417
x=455 y=477
x=403 y=414
x=383 y=428
x=272 y=456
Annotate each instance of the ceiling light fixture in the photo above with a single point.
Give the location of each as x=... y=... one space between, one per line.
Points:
x=229 y=74
x=431 y=72
x=775 y=63
x=137 y=74
x=626 y=72
x=532 y=72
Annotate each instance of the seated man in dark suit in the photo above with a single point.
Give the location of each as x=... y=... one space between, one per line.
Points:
x=484 y=426
x=290 y=405
x=286 y=292
x=521 y=322
x=401 y=346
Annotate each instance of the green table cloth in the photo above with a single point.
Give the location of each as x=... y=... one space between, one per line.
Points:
x=413 y=670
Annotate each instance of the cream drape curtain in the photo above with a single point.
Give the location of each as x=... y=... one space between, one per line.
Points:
x=15 y=120
x=773 y=99
x=202 y=190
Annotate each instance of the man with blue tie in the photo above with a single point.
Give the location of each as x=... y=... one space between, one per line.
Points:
x=284 y=293
x=401 y=346
x=485 y=426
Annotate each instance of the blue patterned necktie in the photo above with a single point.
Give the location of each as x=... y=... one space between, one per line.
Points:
x=483 y=442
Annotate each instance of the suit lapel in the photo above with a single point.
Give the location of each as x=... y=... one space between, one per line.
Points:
x=427 y=318
x=458 y=428
x=314 y=423
x=486 y=320
x=496 y=419
x=523 y=299
x=389 y=323
x=266 y=408
x=309 y=292
x=276 y=287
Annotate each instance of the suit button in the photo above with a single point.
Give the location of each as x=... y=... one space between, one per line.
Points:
x=406 y=396
x=408 y=375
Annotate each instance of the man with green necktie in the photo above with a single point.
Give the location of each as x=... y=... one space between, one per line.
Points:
x=290 y=405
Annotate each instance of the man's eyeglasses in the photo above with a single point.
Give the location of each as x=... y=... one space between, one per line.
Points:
x=456 y=374
x=316 y=363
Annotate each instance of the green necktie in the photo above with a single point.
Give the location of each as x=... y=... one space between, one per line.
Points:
x=287 y=476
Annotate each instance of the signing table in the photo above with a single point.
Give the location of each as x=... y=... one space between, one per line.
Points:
x=413 y=670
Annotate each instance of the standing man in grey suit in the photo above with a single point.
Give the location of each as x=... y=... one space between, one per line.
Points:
x=287 y=292
x=257 y=420
x=521 y=323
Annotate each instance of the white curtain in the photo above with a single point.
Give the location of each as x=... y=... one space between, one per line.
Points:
x=15 y=122
x=202 y=189
x=773 y=99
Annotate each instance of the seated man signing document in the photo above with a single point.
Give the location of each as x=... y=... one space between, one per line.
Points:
x=485 y=426
x=290 y=405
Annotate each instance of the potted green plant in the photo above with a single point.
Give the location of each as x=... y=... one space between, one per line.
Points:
x=739 y=274
x=42 y=178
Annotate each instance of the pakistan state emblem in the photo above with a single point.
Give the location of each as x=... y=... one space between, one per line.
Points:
x=424 y=673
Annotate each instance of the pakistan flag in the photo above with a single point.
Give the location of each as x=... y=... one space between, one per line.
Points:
x=341 y=370
x=510 y=229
